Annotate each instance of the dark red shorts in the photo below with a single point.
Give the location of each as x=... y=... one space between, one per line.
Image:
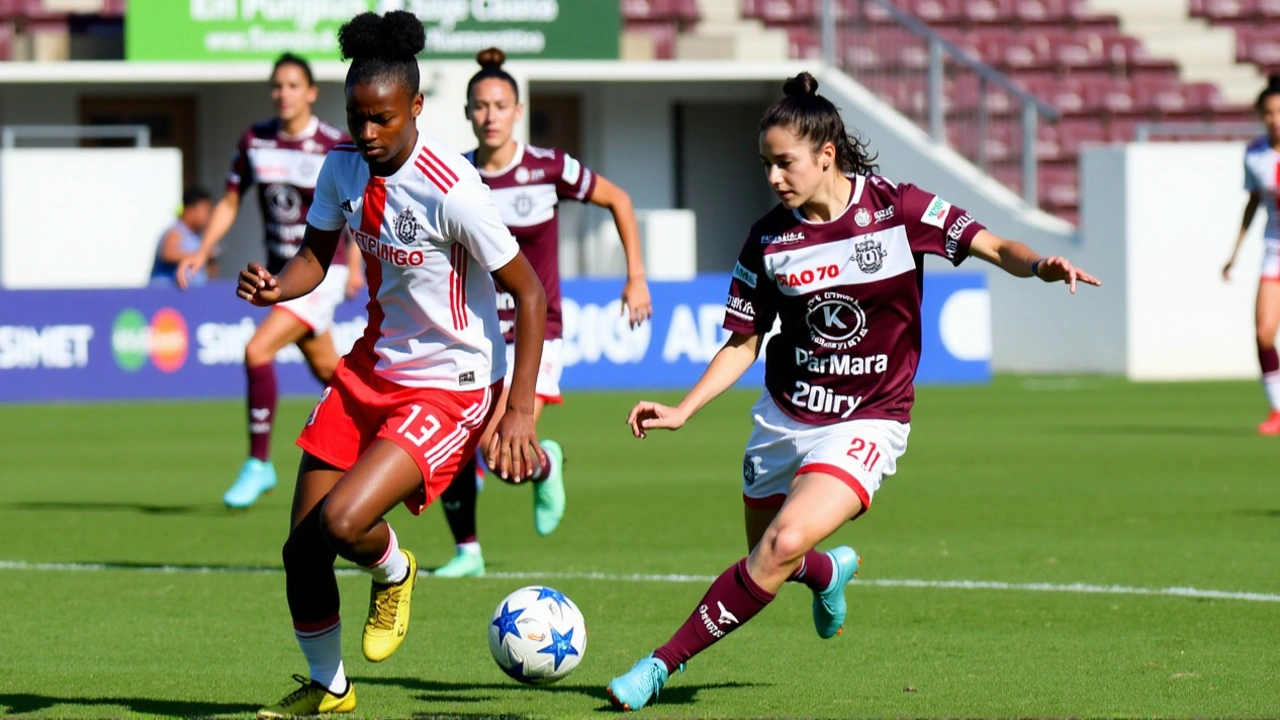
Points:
x=439 y=428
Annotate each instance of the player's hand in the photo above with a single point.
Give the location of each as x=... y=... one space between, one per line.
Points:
x=1226 y=270
x=652 y=416
x=513 y=450
x=258 y=286
x=189 y=266
x=355 y=283
x=1060 y=269
x=635 y=298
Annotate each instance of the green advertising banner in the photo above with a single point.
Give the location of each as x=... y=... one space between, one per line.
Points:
x=262 y=29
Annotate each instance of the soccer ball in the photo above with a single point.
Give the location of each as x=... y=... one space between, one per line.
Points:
x=537 y=635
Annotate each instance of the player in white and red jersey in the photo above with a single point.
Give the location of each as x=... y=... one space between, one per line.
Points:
x=838 y=263
x=282 y=156
x=406 y=407
x=1262 y=181
x=527 y=184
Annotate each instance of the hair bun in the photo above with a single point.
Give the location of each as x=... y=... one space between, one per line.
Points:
x=491 y=58
x=802 y=84
x=396 y=36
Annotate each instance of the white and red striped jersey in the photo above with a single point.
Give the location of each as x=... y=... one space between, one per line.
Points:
x=431 y=236
x=1262 y=176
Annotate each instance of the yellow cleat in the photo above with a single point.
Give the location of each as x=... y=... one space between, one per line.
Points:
x=310 y=699
x=388 y=619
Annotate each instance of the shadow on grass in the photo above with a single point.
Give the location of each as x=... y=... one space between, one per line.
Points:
x=19 y=703
x=213 y=510
x=448 y=692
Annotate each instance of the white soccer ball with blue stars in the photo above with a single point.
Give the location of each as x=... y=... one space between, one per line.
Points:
x=537 y=635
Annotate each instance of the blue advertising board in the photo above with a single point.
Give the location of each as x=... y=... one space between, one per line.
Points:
x=163 y=343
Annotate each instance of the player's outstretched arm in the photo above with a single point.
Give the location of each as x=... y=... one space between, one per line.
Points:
x=730 y=362
x=635 y=294
x=513 y=450
x=1019 y=260
x=302 y=274
x=1250 y=209
x=220 y=222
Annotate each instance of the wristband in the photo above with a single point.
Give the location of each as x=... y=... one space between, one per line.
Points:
x=1035 y=267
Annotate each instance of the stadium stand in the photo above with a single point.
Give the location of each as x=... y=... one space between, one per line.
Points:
x=1073 y=54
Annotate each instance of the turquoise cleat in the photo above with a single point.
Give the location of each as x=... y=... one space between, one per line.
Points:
x=463 y=564
x=256 y=478
x=641 y=684
x=548 y=495
x=829 y=608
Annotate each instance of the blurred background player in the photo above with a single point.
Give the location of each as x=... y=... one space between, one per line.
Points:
x=182 y=240
x=1261 y=175
x=527 y=184
x=838 y=261
x=407 y=406
x=282 y=156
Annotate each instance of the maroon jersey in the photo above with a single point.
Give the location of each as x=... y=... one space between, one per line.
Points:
x=527 y=192
x=847 y=293
x=285 y=168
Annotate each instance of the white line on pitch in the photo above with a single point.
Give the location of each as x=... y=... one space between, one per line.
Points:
x=1079 y=588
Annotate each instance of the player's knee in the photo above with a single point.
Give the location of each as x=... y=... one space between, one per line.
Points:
x=783 y=546
x=258 y=352
x=341 y=527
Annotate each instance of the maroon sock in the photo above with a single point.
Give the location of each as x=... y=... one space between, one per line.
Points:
x=815 y=571
x=262 y=409
x=733 y=599
x=1269 y=359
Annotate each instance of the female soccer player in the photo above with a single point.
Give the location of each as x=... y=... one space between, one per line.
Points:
x=527 y=184
x=1261 y=169
x=406 y=407
x=836 y=262
x=282 y=156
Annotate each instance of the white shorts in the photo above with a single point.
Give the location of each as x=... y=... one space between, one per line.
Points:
x=860 y=452
x=548 y=386
x=1271 y=259
x=315 y=309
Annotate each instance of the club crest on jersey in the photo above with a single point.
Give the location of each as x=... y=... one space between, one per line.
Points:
x=751 y=469
x=523 y=204
x=870 y=255
x=284 y=203
x=836 y=321
x=406 y=227
x=522 y=175
x=862 y=217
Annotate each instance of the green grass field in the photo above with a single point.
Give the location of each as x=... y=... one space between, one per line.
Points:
x=1056 y=481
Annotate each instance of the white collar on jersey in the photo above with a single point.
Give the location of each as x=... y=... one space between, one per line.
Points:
x=310 y=131
x=515 y=161
x=859 y=184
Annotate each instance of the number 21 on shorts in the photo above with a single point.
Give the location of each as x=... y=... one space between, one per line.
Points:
x=864 y=452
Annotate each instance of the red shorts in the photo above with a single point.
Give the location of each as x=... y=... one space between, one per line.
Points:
x=439 y=428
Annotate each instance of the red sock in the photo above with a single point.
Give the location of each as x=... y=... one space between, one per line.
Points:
x=733 y=599
x=1269 y=359
x=262 y=409
x=815 y=571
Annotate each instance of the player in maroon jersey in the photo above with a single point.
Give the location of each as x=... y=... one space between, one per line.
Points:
x=282 y=156
x=838 y=262
x=528 y=183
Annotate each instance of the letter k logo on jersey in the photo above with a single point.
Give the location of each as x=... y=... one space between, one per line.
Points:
x=831 y=316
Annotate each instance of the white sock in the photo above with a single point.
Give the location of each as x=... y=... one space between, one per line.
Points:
x=323 y=650
x=1271 y=383
x=470 y=548
x=393 y=567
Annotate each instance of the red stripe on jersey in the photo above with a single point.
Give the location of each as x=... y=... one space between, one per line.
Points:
x=453 y=285
x=439 y=164
x=433 y=177
x=463 y=258
x=1278 y=185
x=371 y=216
